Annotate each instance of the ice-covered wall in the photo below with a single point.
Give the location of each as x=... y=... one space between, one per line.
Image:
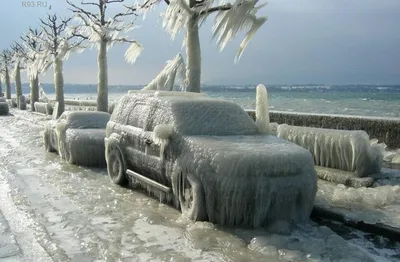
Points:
x=384 y=129
x=341 y=149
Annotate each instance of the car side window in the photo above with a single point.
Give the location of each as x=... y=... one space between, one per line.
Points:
x=138 y=116
x=158 y=115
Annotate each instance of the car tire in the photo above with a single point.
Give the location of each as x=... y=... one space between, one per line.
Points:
x=191 y=197
x=116 y=167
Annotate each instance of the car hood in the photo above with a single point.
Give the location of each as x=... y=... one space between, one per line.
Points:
x=258 y=155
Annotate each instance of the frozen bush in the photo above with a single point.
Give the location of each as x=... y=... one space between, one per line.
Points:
x=341 y=149
x=4 y=108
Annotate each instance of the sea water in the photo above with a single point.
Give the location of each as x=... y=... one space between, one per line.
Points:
x=364 y=100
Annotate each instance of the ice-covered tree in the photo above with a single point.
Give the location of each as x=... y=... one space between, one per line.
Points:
x=57 y=46
x=17 y=61
x=1 y=74
x=103 y=31
x=166 y=79
x=5 y=58
x=231 y=17
x=28 y=51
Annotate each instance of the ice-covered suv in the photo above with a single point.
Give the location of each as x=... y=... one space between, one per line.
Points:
x=207 y=157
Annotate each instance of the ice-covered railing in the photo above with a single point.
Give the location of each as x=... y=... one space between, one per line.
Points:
x=340 y=149
x=385 y=129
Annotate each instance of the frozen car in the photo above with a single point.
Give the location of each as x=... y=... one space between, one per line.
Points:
x=78 y=137
x=207 y=157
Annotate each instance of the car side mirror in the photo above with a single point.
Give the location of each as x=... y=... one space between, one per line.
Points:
x=163 y=133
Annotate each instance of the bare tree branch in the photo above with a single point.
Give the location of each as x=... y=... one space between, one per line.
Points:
x=88 y=14
x=216 y=9
x=90 y=3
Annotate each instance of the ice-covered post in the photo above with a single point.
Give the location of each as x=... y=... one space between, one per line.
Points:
x=17 y=59
x=56 y=48
x=6 y=60
x=102 y=32
x=262 y=111
x=230 y=19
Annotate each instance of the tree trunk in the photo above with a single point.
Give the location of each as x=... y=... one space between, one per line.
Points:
x=34 y=83
x=59 y=84
x=8 y=86
x=18 y=85
x=102 y=88
x=193 y=53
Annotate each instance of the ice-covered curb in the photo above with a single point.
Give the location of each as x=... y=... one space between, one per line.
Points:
x=385 y=129
x=340 y=149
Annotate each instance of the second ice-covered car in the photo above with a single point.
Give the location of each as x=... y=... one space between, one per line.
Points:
x=78 y=137
x=208 y=158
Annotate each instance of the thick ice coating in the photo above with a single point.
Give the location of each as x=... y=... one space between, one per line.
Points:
x=238 y=175
x=341 y=149
x=4 y=108
x=44 y=108
x=78 y=137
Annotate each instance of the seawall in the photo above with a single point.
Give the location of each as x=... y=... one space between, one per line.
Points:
x=385 y=129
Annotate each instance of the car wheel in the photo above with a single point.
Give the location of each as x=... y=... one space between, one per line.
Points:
x=116 y=167
x=191 y=198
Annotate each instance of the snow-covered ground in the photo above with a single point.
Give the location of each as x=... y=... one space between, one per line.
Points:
x=53 y=211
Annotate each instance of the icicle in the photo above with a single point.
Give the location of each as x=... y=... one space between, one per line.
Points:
x=133 y=52
x=229 y=23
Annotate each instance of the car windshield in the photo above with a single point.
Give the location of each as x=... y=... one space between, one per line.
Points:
x=211 y=117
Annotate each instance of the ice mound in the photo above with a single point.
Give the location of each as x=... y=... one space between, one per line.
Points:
x=341 y=149
x=372 y=197
x=2 y=99
x=308 y=243
x=4 y=110
x=165 y=80
x=44 y=108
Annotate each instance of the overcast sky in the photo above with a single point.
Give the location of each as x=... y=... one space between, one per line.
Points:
x=303 y=41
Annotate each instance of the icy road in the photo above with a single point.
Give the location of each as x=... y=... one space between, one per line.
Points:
x=53 y=211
